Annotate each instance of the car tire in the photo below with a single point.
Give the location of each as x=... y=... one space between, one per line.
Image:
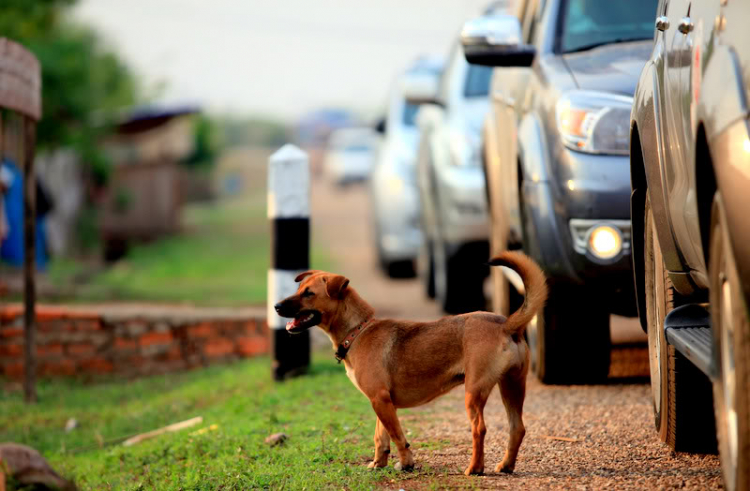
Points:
x=500 y=292
x=426 y=268
x=403 y=268
x=570 y=340
x=505 y=298
x=731 y=327
x=459 y=277
x=681 y=393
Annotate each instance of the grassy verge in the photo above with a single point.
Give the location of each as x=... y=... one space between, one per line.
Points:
x=329 y=422
x=220 y=259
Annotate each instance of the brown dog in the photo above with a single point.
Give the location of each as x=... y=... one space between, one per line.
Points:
x=399 y=364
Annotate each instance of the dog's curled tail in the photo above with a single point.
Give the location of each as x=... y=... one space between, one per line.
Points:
x=534 y=282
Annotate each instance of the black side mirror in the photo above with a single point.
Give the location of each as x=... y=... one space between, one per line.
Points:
x=495 y=40
x=380 y=126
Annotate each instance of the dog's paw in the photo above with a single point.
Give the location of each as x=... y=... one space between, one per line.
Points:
x=504 y=468
x=474 y=471
x=404 y=468
x=376 y=465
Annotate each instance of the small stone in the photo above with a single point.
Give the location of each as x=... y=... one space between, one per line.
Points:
x=71 y=425
x=276 y=439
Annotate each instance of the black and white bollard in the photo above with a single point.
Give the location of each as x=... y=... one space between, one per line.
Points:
x=289 y=212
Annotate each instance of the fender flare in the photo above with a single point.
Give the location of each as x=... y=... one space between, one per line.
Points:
x=533 y=154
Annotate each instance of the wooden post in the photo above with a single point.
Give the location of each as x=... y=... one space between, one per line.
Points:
x=29 y=237
x=21 y=92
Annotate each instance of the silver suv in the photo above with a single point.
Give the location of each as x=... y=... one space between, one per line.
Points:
x=393 y=188
x=451 y=187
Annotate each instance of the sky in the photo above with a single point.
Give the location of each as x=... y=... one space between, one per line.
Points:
x=278 y=58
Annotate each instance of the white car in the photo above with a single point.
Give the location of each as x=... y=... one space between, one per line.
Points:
x=393 y=185
x=350 y=154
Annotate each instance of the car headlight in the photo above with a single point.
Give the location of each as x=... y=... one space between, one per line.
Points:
x=464 y=148
x=394 y=184
x=594 y=122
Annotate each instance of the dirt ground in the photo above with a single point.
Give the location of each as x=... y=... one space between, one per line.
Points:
x=578 y=437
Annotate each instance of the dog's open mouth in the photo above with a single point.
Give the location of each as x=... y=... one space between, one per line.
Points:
x=304 y=320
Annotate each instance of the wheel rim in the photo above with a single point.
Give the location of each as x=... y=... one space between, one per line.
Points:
x=500 y=293
x=728 y=379
x=500 y=286
x=655 y=361
x=532 y=338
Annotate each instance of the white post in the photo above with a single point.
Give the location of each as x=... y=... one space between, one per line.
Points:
x=289 y=214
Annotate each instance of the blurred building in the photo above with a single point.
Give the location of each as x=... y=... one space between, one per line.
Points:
x=143 y=198
x=312 y=131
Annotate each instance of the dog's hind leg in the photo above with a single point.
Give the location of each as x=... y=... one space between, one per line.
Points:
x=386 y=412
x=513 y=391
x=476 y=398
x=382 y=446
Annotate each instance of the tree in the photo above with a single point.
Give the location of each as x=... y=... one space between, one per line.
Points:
x=83 y=83
x=204 y=135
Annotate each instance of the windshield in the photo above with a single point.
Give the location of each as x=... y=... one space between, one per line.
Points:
x=477 y=81
x=410 y=114
x=591 y=23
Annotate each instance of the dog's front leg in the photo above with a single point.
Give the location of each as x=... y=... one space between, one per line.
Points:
x=382 y=446
x=386 y=412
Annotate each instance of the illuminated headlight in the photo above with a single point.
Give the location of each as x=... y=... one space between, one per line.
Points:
x=600 y=240
x=605 y=242
x=594 y=122
x=394 y=184
x=464 y=148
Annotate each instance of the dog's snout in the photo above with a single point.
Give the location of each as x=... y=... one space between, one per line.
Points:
x=277 y=307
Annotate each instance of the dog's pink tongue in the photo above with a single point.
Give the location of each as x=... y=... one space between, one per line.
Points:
x=291 y=324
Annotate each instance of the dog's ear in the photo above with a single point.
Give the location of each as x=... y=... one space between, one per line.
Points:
x=304 y=275
x=336 y=285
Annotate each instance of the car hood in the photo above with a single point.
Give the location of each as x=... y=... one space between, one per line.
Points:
x=611 y=68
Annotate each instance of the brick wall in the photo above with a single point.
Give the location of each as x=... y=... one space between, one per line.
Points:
x=129 y=340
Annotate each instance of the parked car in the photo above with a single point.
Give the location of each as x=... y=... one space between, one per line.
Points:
x=350 y=154
x=556 y=161
x=690 y=166
x=451 y=186
x=393 y=188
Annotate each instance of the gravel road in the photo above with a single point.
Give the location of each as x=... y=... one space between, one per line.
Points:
x=578 y=437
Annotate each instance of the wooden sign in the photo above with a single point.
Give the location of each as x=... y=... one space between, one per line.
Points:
x=20 y=80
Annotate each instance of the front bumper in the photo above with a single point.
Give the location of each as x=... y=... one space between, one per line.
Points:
x=462 y=204
x=585 y=190
x=397 y=215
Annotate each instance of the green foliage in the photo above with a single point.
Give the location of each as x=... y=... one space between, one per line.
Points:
x=30 y=19
x=123 y=200
x=83 y=83
x=220 y=259
x=206 y=147
x=260 y=131
x=329 y=422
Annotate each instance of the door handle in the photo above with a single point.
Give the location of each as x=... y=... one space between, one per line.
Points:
x=686 y=25
x=662 y=23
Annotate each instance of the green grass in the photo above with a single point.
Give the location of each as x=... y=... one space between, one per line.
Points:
x=220 y=259
x=329 y=422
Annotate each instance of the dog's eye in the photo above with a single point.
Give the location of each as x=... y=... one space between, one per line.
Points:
x=308 y=293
